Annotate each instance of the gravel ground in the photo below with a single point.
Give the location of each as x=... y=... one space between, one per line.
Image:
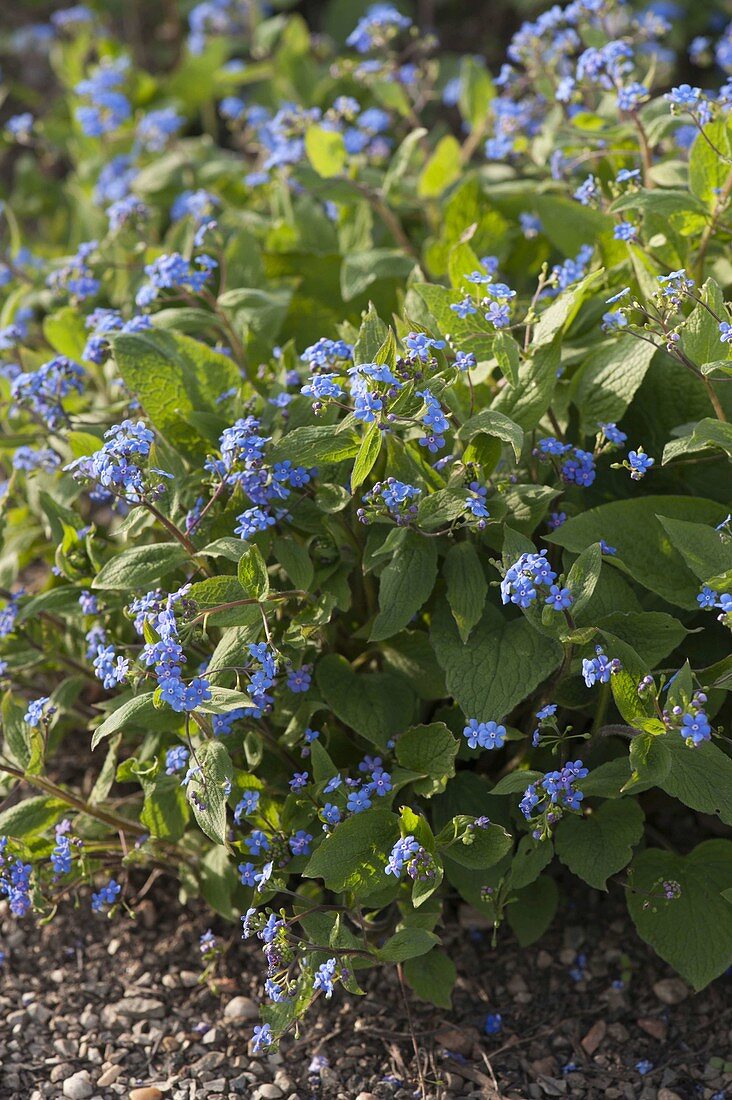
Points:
x=91 y=1008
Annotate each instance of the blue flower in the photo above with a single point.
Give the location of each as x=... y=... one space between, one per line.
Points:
x=493 y=1023
x=248 y=874
x=559 y=598
x=695 y=728
x=358 y=801
x=300 y=842
x=247 y=805
x=625 y=231
x=640 y=463
x=599 y=669
x=106 y=896
x=176 y=759
x=707 y=597
x=486 y=735
x=324 y=978
x=612 y=433
x=262 y=1037
x=38 y=712
x=684 y=95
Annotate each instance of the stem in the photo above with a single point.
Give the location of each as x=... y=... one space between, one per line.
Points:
x=645 y=150
x=114 y=820
x=178 y=535
x=708 y=233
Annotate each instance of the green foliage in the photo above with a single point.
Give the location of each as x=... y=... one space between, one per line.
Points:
x=327 y=526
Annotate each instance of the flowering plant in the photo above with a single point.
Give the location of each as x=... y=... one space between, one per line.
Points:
x=366 y=492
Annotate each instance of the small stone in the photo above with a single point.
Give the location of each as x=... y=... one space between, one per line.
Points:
x=267 y=1092
x=109 y=1076
x=667 y=1094
x=78 y=1086
x=240 y=1008
x=671 y=991
x=454 y=1040
x=594 y=1037
x=149 y=1092
x=136 y=1008
x=61 y=1072
x=654 y=1027
x=543 y=960
x=189 y=978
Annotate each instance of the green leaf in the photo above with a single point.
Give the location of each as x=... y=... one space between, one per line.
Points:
x=65 y=331
x=492 y=423
x=165 y=810
x=252 y=573
x=481 y=847
x=466 y=586
x=432 y=977
x=653 y=634
x=476 y=91
x=583 y=577
x=377 y=705
x=30 y=817
x=644 y=549
x=404 y=585
x=174 y=376
x=691 y=932
x=500 y=666
x=526 y=402
x=218 y=881
x=295 y=560
x=700 y=331
x=506 y=351
x=705 y=550
x=354 y=856
x=699 y=777
x=600 y=843
x=361 y=269
x=531 y=857
x=533 y=909
x=407 y=943
x=430 y=751
x=325 y=150
x=206 y=790
x=313 y=446
x=516 y=782
x=137 y=712
x=371 y=336
x=401 y=161
x=442 y=169
x=609 y=380
x=140 y=567
x=367 y=455
x=708 y=171
x=707 y=435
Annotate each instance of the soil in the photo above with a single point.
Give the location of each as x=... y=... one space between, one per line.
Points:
x=92 y=1008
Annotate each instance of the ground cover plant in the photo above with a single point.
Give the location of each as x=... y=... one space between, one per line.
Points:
x=366 y=503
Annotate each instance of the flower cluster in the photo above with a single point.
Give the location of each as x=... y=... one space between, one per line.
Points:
x=545 y=801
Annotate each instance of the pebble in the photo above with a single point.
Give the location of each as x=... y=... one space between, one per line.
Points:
x=135 y=1008
x=109 y=1076
x=654 y=1027
x=267 y=1092
x=668 y=1094
x=78 y=1086
x=594 y=1037
x=671 y=991
x=240 y=1008
x=146 y=1093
